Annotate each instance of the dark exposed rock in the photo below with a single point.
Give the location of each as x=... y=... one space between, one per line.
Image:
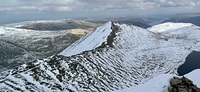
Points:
x=129 y=22
x=182 y=85
x=111 y=37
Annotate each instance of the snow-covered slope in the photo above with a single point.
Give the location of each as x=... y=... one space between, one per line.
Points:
x=19 y=46
x=122 y=57
x=91 y=41
x=161 y=83
x=168 y=26
x=182 y=33
x=194 y=76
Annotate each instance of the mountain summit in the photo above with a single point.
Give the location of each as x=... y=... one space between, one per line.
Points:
x=112 y=57
x=91 y=41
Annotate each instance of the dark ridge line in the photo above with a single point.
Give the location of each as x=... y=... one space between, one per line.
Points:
x=51 y=60
x=107 y=43
x=110 y=38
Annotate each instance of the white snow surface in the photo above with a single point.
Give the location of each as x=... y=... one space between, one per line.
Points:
x=168 y=26
x=160 y=83
x=90 y=41
x=20 y=33
x=157 y=84
x=194 y=76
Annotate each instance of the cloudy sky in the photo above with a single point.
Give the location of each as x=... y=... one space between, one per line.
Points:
x=13 y=10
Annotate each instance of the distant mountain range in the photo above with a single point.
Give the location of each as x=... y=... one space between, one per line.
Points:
x=53 y=25
x=185 y=19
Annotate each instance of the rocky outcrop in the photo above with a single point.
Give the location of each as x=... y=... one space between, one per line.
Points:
x=182 y=85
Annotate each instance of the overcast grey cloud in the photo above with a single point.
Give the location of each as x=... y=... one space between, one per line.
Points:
x=84 y=8
x=92 y=5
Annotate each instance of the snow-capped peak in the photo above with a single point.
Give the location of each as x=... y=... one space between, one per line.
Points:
x=168 y=26
x=90 y=41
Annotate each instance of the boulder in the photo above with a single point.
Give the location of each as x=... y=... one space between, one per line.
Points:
x=182 y=85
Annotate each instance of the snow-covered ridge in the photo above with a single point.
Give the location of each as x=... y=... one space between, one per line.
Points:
x=33 y=22
x=186 y=34
x=168 y=26
x=54 y=25
x=136 y=56
x=43 y=21
x=90 y=41
x=10 y=31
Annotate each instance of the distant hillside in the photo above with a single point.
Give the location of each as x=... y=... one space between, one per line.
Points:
x=188 y=19
x=54 y=25
x=26 y=41
x=19 y=46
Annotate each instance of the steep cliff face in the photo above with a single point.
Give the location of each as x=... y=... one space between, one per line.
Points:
x=111 y=57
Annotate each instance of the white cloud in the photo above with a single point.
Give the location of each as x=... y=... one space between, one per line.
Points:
x=96 y=5
x=176 y=3
x=19 y=8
